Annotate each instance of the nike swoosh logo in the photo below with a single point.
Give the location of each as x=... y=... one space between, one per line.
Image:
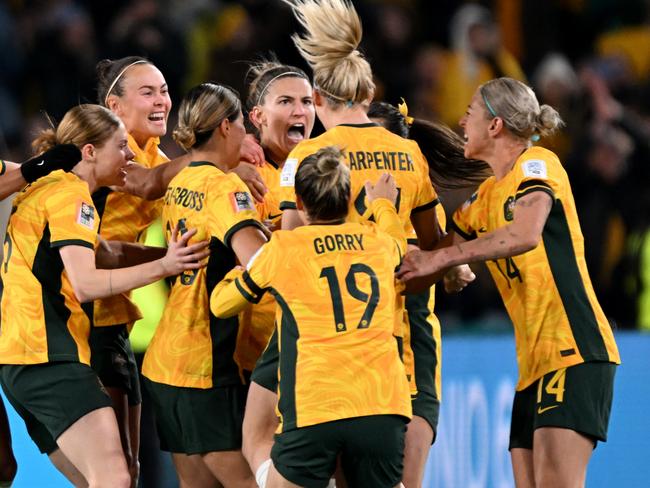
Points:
x=41 y=163
x=482 y=229
x=271 y=217
x=541 y=410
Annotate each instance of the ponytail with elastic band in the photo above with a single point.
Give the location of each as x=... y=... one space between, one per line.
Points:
x=404 y=110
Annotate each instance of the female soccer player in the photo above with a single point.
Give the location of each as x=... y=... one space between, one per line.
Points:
x=49 y=253
x=280 y=108
x=136 y=91
x=197 y=388
x=448 y=169
x=343 y=389
x=343 y=90
x=522 y=221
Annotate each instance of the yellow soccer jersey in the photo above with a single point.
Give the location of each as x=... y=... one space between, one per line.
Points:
x=42 y=320
x=434 y=335
x=257 y=321
x=334 y=285
x=125 y=217
x=370 y=150
x=270 y=208
x=191 y=347
x=547 y=290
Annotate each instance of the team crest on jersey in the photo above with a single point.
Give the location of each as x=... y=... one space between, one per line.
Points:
x=534 y=168
x=86 y=215
x=241 y=200
x=509 y=208
x=288 y=175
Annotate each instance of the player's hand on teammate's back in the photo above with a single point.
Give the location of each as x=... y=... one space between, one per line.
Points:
x=384 y=188
x=181 y=255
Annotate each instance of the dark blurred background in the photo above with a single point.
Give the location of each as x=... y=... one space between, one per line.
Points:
x=590 y=59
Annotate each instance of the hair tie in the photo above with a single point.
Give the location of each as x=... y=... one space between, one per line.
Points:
x=110 y=88
x=286 y=73
x=404 y=110
x=534 y=137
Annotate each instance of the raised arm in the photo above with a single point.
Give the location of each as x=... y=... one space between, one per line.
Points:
x=14 y=177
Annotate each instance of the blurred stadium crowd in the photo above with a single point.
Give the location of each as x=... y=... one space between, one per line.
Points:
x=590 y=59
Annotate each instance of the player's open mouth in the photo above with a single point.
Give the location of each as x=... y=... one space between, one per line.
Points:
x=296 y=132
x=157 y=117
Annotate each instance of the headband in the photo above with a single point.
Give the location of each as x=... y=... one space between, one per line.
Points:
x=404 y=110
x=117 y=78
x=487 y=104
x=348 y=103
x=286 y=73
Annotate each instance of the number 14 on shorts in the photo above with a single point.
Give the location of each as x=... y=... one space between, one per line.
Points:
x=550 y=391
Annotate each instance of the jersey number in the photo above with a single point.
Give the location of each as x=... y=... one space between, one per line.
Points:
x=351 y=284
x=360 y=203
x=555 y=386
x=188 y=276
x=511 y=272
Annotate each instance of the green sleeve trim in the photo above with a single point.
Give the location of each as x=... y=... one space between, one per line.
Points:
x=426 y=206
x=533 y=189
x=72 y=242
x=3 y=167
x=454 y=226
x=238 y=226
x=252 y=286
x=286 y=205
x=245 y=294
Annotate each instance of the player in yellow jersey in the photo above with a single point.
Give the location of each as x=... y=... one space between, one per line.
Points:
x=197 y=388
x=50 y=280
x=523 y=222
x=13 y=178
x=342 y=386
x=136 y=91
x=281 y=110
x=343 y=90
x=450 y=171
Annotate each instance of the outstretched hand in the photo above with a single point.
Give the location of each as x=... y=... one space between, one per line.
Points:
x=181 y=256
x=417 y=264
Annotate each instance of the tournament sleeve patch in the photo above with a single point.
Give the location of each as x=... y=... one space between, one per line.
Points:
x=86 y=215
x=288 y=175
x=534 y=168
x=241 y=200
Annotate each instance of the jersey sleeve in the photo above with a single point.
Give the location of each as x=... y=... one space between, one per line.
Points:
x=259 y=271
x=539 y=172
x=426 y=195
x=233 y=210
x=461 y=221
x=72 y=217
